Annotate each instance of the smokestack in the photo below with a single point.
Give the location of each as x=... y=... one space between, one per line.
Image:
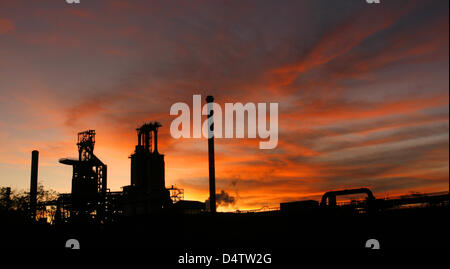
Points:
x=212 y=171
x=34 y=183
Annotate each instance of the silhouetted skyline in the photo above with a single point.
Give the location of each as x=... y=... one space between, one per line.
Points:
x=362 y=91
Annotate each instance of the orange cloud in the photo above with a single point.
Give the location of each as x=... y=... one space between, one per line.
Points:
x=6 y=26
x=339 y=41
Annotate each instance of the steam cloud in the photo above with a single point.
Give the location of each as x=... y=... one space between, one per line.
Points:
x=223 y=199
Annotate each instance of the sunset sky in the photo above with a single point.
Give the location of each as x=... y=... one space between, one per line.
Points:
x=363 y=91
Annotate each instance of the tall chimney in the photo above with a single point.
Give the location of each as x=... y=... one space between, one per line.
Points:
x=212 y=171
x=34 y=183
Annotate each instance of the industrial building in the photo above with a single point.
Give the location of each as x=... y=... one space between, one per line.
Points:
x=90 y=200
x=147 y=210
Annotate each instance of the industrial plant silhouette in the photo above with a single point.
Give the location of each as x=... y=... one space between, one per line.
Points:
x=148 y=214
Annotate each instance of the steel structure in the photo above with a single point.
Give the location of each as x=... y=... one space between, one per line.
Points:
x=176 y=194
x=90 y=200
x=89 y=179
x=147 y=192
